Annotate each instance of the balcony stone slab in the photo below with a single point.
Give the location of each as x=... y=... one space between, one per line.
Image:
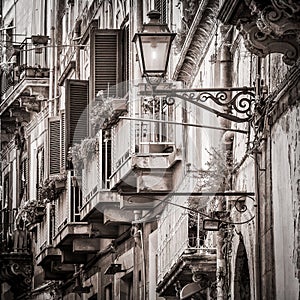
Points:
x=71 y=231
x=91 y=245
x=102 y=198
x=146 y=172
x=187 y=268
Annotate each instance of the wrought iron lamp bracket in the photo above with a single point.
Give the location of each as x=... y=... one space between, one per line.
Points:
x=238 y=107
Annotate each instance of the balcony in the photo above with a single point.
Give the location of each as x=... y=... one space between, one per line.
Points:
x=91 y=162
x=25 y=84
x=145 y=145
x=15 y=256
x=50 y=259
x=185 y=254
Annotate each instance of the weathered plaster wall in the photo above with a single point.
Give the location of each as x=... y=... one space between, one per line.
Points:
x=286 y=198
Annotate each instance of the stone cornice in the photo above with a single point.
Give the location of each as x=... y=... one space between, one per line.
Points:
x=197 y=42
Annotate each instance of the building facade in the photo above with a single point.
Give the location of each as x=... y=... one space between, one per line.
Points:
x=120 y=186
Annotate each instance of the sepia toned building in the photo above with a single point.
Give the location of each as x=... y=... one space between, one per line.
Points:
x=125 y=180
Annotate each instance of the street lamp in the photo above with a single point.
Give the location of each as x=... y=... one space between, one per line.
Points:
x=153 y=46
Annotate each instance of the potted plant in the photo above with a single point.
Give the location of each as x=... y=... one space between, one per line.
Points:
x=59 y=181
x=53 y=186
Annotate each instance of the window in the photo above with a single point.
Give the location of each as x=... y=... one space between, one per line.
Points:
x=40 y=172
x=76 y=202
x=126 y=287
x=161 y=6
x=108 y=292
x=23 y=179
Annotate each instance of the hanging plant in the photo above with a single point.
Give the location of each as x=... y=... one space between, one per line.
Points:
x=101 y=111
x=87 y=149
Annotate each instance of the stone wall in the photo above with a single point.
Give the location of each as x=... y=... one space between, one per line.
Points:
x=285 y=153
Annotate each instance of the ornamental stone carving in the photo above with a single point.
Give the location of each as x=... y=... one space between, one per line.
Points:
x=267 y=27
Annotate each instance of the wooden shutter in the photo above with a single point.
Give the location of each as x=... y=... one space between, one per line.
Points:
x=54 y=146
x=63 y=152
x=76 y=111
x=105 y=61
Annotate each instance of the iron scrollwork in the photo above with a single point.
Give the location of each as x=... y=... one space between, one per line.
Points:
x=238 y=107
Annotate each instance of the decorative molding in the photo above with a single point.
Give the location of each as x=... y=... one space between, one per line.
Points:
x=16 y=269
x=261 y=44
x=266 y=28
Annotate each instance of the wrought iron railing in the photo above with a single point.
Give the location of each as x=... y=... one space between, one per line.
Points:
x=14 y=236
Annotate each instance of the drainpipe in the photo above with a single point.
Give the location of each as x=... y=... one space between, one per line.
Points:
x=52 y=59
x=257 y=193
x=225 y=81
x=136 y=25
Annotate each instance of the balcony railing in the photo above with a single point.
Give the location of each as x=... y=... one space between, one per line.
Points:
x=27 y=62
x=181 y=240
x=14 y=239
x=147 y=130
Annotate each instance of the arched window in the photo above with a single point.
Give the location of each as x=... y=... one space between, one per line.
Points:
x=241 y=274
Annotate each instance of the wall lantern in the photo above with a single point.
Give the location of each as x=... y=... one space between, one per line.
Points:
x=113 y=269
x=211 y=224
x=153 y=46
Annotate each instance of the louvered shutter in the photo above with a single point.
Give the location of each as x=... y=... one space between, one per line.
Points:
x=63 y=140
x=105 y=61
x=54 y=146
x=76 y=111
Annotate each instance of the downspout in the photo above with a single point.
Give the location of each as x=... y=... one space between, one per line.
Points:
x=225 y=81
x=257 y=193
x=136 y=25
x=52 y=59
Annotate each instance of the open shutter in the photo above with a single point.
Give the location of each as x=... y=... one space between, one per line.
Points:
x=105 y=61
x=63 y=140
x=54 y=145
x=76 y=111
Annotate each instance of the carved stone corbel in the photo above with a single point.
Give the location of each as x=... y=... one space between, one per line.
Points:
x=261 y=44
x=290 y=7
x=30 y=103
x=267 y=27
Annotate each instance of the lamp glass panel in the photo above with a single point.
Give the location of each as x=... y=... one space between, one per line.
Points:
x=155 y=50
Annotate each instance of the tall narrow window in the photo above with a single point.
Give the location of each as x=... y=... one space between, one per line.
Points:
x=76 y=201
x=161 y=6
x=23 y=179
x=125 y=60
x=40 y=172
x=108 y=292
